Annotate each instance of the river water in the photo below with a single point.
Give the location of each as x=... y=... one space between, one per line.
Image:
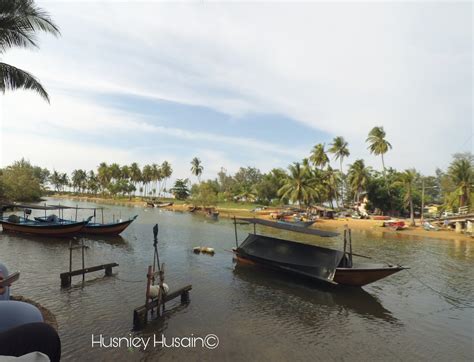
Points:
x=421 y=314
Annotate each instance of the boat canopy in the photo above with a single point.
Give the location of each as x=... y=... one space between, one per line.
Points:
x=75 y=207
x=311 y=260
x=31 y=207
x=295 y=228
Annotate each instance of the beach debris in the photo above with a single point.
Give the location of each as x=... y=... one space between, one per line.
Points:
x=204 y=250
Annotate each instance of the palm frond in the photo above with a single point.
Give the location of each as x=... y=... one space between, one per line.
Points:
x=15 y=78
x=20 y=20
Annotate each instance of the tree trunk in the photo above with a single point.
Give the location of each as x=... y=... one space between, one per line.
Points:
x=342 y=185
x=412 y=215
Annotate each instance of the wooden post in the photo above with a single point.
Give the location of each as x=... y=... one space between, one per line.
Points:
x=83 y=263
x=350 y=247
x=235 y=230
x=148 y=284
x=102 y=215
x=76 y=212
x=70 y=256
x=422 y=201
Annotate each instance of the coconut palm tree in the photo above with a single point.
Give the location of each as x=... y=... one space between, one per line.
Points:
x=378 y=145
x=358 y=177
x=407 y=179
x=197 y=168
x=331 y=181
x=298 y=186
x=318 y=157
x=135 y=173
x=462 y=173
x=339 y=148
x=20 y=20
x=147 y=177
x=166 y=172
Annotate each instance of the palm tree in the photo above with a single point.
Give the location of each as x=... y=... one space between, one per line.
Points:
x=462 y=173
x=147 y=177
x=103 y=175
x=331 y=182
x=378 y=145
x=407 y=179
x=166 y=172
x=196 y=168
x=339 y=147
x=135 y=173
x=318 y=157
x=20 y=20
x=298 y=185
x=358 y=177
x=156 y=177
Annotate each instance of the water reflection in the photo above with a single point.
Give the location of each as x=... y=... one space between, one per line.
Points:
x=354 y=299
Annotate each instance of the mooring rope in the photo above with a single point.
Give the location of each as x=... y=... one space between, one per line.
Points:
x=130 y=281
x=457 y=300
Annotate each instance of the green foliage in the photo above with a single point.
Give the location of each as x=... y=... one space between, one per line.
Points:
x=180 y=189
x=20 y=182
x=205 y=194
x=299 y=186
x=20 y=21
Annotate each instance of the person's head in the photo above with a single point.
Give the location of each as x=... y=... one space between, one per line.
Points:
x=4 y=291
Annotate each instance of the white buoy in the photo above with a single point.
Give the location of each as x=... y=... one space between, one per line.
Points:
x=155 y=289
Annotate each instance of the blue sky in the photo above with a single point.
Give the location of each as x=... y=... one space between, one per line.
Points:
x=243 y=84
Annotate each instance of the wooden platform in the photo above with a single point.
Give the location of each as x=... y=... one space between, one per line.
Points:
x=140 y=314
x=67 y=276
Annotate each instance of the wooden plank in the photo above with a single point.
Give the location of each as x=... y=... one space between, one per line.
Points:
x=88 y=270
x=170 y=296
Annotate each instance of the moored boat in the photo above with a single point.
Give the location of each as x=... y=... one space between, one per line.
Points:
x=309 y=261
x=33 y=227
x=112 y=228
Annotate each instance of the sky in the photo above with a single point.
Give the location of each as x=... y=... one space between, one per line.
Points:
x=243 y=84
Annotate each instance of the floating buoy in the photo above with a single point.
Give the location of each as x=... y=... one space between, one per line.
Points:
x=208 y=250
x=203 y=249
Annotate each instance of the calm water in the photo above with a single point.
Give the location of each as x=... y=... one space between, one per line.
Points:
x=257 y=316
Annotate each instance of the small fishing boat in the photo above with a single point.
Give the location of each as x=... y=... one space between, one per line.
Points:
x=112 y=228
x=395 y=225
x=23 y=224
x=159 y=204
x=308 y=261
x=296 y=222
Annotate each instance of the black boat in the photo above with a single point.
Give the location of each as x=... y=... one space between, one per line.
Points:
x=308 y=261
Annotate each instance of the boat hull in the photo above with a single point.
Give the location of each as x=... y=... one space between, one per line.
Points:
x=359 y=277
x=54 y=230
x=355 y=277
x=106 y=229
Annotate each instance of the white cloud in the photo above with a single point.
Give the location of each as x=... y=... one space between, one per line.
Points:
x=340 y=68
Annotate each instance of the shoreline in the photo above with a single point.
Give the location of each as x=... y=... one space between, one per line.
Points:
x=367 y=225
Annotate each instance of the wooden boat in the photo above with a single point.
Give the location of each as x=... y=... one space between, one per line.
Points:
x=301 y=223
x=308 y=261
x=395 y=225
x=159 y=204
x=33 y=227
x=112 y=228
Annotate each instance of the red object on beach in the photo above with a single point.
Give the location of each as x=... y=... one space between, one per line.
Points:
x=381 y=217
